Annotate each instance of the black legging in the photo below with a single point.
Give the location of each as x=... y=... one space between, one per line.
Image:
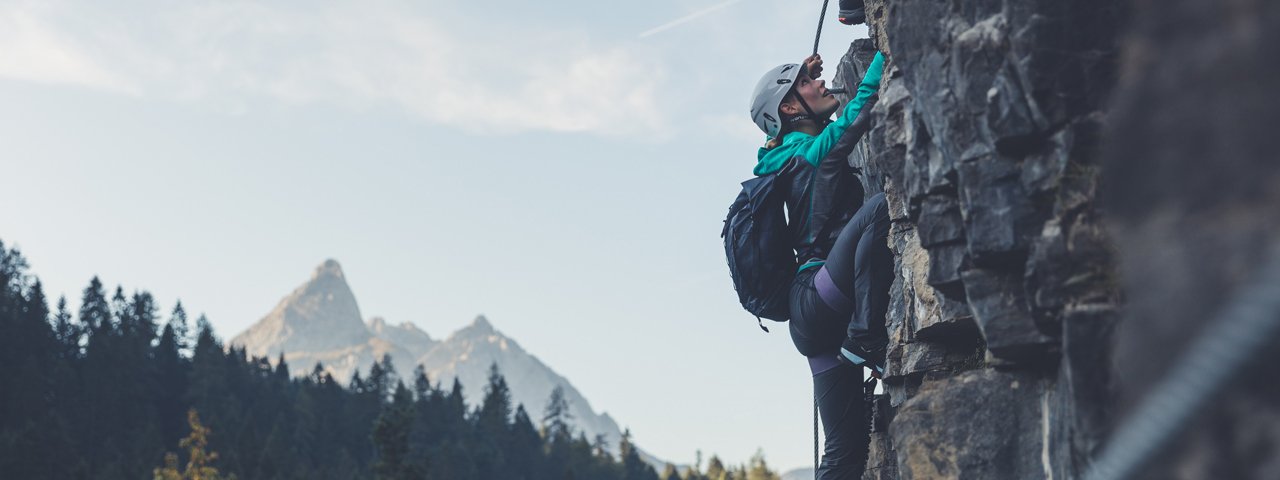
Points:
x=823 y=314
x=843 y=408
x=860 y=262
x=849 y=295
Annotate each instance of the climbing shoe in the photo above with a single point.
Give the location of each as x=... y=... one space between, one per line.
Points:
x=854 y=354
x=852 y=12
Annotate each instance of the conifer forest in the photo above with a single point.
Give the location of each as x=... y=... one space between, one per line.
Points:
x=126 y=389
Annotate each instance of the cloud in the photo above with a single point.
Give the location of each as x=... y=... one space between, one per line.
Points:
x=232 y=55
x=31 y=51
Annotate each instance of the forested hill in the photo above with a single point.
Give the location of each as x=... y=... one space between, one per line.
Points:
x=105 y=392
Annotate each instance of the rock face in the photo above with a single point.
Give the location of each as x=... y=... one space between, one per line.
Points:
x=986 y=144
x=406 y=334
x=989 y=442
x=994 y=140
x=322 y=304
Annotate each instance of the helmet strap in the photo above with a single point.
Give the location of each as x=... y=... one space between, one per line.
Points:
x=808 y=113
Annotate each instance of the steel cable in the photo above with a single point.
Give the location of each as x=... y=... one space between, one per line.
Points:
x=1248 y=323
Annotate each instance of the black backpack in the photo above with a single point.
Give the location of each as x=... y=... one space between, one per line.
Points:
x=761 y=261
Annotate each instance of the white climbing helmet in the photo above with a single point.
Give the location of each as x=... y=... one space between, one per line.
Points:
x=772 y=88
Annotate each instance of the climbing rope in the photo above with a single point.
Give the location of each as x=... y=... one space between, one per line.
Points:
x=1243 y=329
x=815 y=434
x=818 y=36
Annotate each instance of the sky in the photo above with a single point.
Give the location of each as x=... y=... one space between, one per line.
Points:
x=561 y=167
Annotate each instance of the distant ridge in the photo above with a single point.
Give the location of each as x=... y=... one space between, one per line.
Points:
x=320 y=322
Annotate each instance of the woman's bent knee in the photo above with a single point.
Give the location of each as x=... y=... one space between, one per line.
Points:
x=880 y=205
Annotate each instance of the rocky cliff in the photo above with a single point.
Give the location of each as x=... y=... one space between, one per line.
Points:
x=986 y=144
x=1008 y=134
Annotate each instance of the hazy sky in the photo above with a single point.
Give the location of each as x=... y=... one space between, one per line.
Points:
x=562 y=167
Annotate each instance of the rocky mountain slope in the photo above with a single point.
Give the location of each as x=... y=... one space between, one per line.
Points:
x=320 y=322
x=322 y=304
x=467 y=354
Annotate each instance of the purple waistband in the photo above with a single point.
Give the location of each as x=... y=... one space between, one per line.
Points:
x=829 y=293
x=824 y=362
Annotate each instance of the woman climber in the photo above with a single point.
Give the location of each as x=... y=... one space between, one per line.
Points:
x=839 y=296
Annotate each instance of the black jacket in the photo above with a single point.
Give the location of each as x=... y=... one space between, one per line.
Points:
x=822 y=199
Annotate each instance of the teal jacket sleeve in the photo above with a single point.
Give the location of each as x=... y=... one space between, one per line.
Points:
x=822 y=144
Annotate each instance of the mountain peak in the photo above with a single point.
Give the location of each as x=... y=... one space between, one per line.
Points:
x=330 y=268
x=481 y=324
x=320 y=314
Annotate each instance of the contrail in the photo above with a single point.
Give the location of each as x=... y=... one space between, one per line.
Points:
x=690 y=17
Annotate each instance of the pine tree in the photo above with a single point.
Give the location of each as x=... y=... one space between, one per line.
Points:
x=27 y=349
x=382 y=378
x=171 y=380
x=583 y=463
x=633 y=467
x=208 y=384
x=391 y=438
x=136 y=387
x=66 y=331
x=495 y=409
x=421 y=384
x=95 y=312
x=143 y=313
x=117 y=398
x=451 y=454
x=695 y=472
x=492 y=426
x=524 y=450
x=455 y=406
x=205 y=329
x=281 y=371
x=428 y=424
x=716 y=470
x=758 y=469
x=556 y=418
x=357 y=384
x=29 y=426
x=120 y=312
x=557 y=433
x=600 y=448
x=199 y=459
x=669 y=472
x=181 y=329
